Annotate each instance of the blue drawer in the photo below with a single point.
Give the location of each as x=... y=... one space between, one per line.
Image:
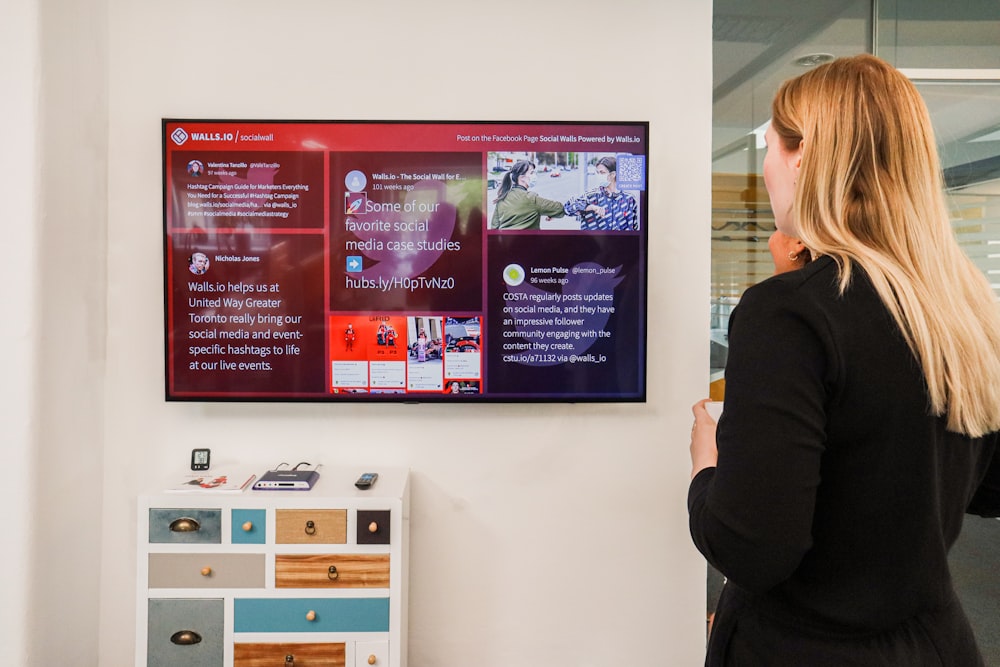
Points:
x=258 y=526
x=332 y=615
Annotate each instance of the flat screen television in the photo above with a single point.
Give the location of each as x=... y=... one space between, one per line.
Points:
x=406 y=261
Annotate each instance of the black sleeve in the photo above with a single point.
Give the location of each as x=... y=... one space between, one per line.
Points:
x=986 y=501
x=751 y=516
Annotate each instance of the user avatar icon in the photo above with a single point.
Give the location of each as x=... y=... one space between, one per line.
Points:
x=513 y=274
x=195 y=168
x=198 y=263
x=356 y=180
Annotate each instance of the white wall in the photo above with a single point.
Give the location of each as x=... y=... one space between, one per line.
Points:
x=53 y=119
x=541 y=534
x=19 y=129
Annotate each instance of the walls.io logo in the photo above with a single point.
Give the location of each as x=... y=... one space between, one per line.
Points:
x=179 y=136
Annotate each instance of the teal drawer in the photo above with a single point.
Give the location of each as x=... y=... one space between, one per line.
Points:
x=331 y=615
x=255 y=520
x=185 y=526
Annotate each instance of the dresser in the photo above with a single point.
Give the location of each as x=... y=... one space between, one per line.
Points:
x=313 y=578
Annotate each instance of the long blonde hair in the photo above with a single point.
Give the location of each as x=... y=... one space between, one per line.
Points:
x=870 y=193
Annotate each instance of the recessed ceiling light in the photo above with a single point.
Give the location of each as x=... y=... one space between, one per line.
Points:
x=813 y=59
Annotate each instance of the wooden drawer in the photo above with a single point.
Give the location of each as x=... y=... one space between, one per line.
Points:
x=331 y=571
x=310 y=526
x=276 y=655
x=185 y=632
x=185 y=526
x=311 y=614
x=373 y=526
x=208 y=570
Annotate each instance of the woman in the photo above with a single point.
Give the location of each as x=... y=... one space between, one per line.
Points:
x=516 y=206
x=862 y=397
x=605 y=208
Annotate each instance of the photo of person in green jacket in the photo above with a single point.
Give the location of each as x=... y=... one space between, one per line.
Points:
x=517 y=207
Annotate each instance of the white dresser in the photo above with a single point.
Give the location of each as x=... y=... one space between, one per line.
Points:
x=312 y=578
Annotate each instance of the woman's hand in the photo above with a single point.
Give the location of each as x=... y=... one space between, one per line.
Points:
x=704 y=453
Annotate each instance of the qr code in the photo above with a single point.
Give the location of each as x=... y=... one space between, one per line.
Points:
x=631 y=172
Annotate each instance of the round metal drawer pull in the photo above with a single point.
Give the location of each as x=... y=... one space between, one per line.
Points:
x=373 y=527
x=311 y=615
x=185 y=524
x=206 y=571
x=247 y=526
x=332 y=572
x=310 y=528
x=185 y=637
x=289 y=661
x=372 y=659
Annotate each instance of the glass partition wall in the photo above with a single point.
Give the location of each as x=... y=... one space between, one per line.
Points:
x=757 y=44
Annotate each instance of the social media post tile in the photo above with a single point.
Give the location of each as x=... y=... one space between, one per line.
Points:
x=563 y=312
x=406 y=231
x=367 y=351
x=577 y=191
x=463 y=359
x=249 y=322
x=245 y=189
x=425 y=353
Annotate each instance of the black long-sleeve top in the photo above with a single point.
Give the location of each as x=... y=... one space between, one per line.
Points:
x=836 y=496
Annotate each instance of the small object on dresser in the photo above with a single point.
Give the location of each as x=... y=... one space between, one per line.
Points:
x=214 y=482
x=366 y=480
x=286 y=480
x=200 y=459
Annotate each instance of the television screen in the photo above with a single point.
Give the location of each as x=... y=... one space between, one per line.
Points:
x=405 y=261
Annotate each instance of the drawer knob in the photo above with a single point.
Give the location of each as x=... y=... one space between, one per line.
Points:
x=185 y=637
x=310 y=528
x=206 y=571
x=247 y=526
x=185 y=524
x=332 y=572
x=372 y=659
x=289 y=661
x=310 y=615
x=373 y=527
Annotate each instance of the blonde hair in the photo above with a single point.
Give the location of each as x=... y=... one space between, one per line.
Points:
x=870 y=193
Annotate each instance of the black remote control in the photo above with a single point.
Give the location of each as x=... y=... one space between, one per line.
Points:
x=366 y=480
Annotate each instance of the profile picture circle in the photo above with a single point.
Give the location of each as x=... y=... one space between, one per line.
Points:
x=195 y=168
x=513 y=274
x=198 y=263
x=355 y=181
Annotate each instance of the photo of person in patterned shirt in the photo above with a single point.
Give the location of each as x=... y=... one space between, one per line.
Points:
x=605 y=208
